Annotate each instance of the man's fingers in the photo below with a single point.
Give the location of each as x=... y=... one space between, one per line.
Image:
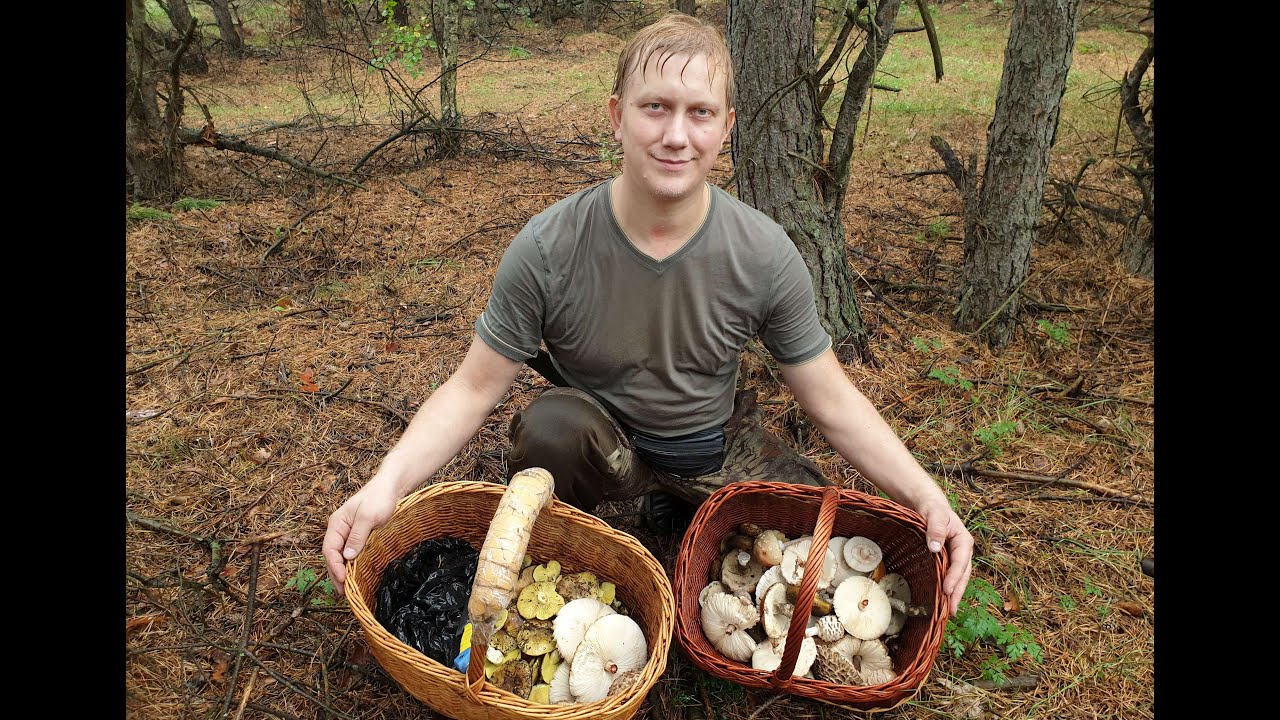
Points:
x=335 y=538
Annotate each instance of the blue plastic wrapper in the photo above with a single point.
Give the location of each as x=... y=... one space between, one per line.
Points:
x=463 y=660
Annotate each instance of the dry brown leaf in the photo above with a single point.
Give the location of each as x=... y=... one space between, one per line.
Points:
x=261 y=455
x=135 y=623
x=1131 y=608
x=1012 y=604
x=219 y=672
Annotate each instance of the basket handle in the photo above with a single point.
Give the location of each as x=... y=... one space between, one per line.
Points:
x=782 y=677
x=498 y=568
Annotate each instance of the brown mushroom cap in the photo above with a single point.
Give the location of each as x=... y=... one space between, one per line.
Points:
x=833 y=666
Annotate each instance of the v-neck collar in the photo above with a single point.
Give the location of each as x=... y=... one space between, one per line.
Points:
x=660 y=266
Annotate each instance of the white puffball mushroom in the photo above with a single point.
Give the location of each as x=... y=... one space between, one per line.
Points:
x=573 y=620
x=862 y=607
x=613 y=644
x=725 y=620
x=862 y=554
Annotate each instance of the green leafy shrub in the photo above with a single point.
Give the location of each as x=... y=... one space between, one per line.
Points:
x=304 y=579
x=975 y=626
x=138 y=212
x=992 y=435
x=1057 y=332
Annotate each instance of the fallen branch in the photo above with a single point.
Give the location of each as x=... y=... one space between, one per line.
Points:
x=970 y=469
x=218 y=141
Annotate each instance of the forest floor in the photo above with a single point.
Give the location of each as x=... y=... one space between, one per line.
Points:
x=278 y=340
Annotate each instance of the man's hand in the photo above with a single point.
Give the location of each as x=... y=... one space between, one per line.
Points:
x=349 y=528
x=944 y=526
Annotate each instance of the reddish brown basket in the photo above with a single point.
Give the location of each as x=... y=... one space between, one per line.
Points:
x=822 y=512
x=560 y=531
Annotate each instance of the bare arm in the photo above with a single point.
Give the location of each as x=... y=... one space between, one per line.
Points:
x=853 y=426
x=446 y=421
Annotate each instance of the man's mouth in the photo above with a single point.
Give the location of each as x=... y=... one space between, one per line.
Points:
x=672 y=164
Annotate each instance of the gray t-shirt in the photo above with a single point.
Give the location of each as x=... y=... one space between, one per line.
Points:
x=657 y=342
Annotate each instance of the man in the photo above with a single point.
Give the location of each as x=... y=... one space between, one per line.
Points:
x=644 y=290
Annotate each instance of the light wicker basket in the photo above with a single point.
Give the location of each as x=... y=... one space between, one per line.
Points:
x=822 y=512
x=578 y=540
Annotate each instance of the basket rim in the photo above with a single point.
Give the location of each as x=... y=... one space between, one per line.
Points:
x=379 y=638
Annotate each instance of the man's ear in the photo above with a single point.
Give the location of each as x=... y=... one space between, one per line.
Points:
x=728 y=128
x=615 y=116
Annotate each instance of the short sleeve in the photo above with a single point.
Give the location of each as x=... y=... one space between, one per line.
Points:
x=792 y=331
x=511 y=323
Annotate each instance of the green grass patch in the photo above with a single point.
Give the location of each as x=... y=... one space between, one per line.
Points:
x=141 y=213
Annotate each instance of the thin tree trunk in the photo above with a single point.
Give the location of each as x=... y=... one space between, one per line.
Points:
x=998 y=255
x=483 y=26
x=152 y=165
x=688 y=7
x=588 y=14
x=446 y=18
x=400 y=13
x=314 y=24
x=1139 y=246
x=226 y=25
x=194 y=60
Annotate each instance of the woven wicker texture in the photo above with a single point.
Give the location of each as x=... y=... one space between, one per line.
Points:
x=561 y=532
x=823 y=513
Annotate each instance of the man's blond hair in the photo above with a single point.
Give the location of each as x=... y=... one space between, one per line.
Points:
x=676 y=34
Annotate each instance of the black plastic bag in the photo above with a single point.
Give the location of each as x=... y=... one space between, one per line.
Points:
x=422 y=598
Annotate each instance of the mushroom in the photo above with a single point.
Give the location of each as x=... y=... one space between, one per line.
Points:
x=768 y=655
x=539 y=600
x=873 y=661
x=551 y=663
x=738 y=576
x=608 y=593
x=515 y=677
x=862 y=607
x=775 y=611
x=535 y=638
x=560 y=692
x=767 y=548
x=725 y=620
x=862 y=554
x=837 y=667
x=896 y=588
x=766 y=581
x=578 y=585
x=842 y=571
x=713 y=587
x=624 y=681
x=541 y=693
x=829 y=628
x=795 y=557
x=573 y=621
x=613 y=644
x=501 y=645
x=550 y=572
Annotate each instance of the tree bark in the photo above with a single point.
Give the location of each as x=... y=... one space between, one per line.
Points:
x=1139 y=246
x=998 y=254
x=226 y=25
x=688 y=7
x=446 y=17
x=314 y=24
x=483 y=26
x=588 y=11
x=153 y=166
x=400 y=13
x=194 y=60
x=777 y=145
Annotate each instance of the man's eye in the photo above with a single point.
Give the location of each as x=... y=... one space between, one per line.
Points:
x=702 y=112
x=654 y=106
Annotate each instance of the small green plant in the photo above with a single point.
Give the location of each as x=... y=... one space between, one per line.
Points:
x=926 y=346
x=195 y=204
x=1067 y=602
x=1090 y=588
x=518 y=53
x=304 y=579
x=992 y=435
x=1057 y=332
x=939 y=228
x=974 y=625
x=1089 y=48
x=142 y=212
x=609 y=152
x=405 y=43
x=950 y=375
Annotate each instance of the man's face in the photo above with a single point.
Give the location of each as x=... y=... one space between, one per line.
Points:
x=671 y=126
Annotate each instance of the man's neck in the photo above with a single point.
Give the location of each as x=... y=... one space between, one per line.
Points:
x=658 y=227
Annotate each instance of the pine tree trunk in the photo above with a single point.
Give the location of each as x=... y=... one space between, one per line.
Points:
x=400 y=13
x=588 y=13
x=687 y=6
x=226 y=25
x=194 y=60
x=778 y=151
x=313 y=21
x=483 y=26
x=447 y=15
x=1021 y=134
x=152 y=166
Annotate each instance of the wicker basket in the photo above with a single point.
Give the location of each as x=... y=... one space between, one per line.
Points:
x=823 y=512
x=578 y=540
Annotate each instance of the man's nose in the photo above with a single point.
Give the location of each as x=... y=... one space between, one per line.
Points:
x=676 y=133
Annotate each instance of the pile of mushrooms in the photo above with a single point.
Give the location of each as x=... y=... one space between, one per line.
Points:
x=746 y=610
x=565 y=638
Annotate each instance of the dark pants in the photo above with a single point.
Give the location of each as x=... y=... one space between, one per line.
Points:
x=568 y=433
